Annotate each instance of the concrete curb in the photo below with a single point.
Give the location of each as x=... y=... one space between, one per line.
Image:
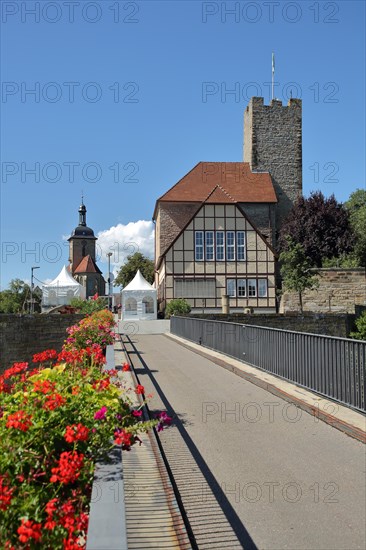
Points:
x=272 y=384
x=107 y=521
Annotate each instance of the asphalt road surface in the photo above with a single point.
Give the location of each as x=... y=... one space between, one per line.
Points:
x=253 y=471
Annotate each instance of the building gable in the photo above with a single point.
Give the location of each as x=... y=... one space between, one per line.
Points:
x=205 y=277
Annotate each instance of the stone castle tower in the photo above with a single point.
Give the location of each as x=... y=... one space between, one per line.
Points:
x=273 y=143
x=82 y=257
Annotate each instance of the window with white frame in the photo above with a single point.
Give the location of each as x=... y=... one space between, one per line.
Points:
x=242 y=288
x=252 y=288
x=230 y=246
x=240 y=245
x=210 y=254
x=220 y=246
x=199 y=255
x=262 y=288
x=231 y=287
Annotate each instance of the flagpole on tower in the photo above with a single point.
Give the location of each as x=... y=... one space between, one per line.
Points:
x=273 y=72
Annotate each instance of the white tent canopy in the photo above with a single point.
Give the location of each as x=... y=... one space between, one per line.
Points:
x=139 y=299
x=61 y=290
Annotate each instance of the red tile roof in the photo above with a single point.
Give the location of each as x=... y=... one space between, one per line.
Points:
x=87 y=265
x=222 y=182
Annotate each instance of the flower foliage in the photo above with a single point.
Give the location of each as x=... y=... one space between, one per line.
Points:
x=57 y=417
x=93 y=329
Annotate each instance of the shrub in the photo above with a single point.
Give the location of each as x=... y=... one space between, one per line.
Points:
x=88 y=306
x=93 y=329
x=360 y=323
x=178 y=306
x=343 y=261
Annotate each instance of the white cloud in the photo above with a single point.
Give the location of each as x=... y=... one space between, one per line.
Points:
x=123 y=240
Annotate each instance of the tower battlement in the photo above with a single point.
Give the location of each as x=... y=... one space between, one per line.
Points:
x=273 y=143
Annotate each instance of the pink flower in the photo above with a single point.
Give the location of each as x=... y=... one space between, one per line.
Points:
x=136 y=413
x=164 y=420
x=100 y=415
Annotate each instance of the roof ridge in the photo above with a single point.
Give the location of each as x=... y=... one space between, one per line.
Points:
x=218 y=186
x=210 y=193
x=226 y=192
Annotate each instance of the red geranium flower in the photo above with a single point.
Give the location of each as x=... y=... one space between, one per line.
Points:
x=139 y=389
x=44 y=386
x=76 y=432
x=68 y=469
x=121 y=437
x=71 y=543
x=19 y=420
x=14 y=370
x=101 y=385
x=46 y=355
x=54 y=401
x=6 y=493
x=50 y=524
x=126 y=367
x=51 y=506
x=29 y=530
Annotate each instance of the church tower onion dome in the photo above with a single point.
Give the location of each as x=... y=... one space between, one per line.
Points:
x=82 y=230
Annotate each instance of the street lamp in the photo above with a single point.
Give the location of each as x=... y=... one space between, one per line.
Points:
x=109 y=280
x=31 y=292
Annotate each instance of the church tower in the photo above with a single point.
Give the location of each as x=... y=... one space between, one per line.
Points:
x=82 y=257
x=273 y=143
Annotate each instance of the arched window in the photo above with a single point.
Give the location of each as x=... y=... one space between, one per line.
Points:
x=131 y=305
x=149 y=304
x=70 y=294
x=52 y=298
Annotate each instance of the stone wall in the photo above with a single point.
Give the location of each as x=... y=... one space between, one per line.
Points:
x=263 y=217
x=23 y=335
x=273 y=143
x=173 y=218
x=330 y=325
x=339 y=291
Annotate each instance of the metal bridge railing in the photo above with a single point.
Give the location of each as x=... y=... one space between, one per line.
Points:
x=333 y=367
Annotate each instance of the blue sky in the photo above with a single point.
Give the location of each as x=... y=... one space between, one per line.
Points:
x=129 y=96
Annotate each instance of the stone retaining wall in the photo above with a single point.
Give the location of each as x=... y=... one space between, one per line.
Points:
x=339 y=290
x=23 y=335
x=329 y=325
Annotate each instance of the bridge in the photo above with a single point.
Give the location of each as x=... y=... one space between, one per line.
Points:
x=251 y=460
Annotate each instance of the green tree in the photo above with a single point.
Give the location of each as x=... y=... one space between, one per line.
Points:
x=178 y=306
x=360 y=323
x=356 y=206
x=129 y=269
x=296 y=269
x=14 y=299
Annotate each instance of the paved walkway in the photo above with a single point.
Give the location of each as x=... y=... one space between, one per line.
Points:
x=254 y=471
x=341 y=417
